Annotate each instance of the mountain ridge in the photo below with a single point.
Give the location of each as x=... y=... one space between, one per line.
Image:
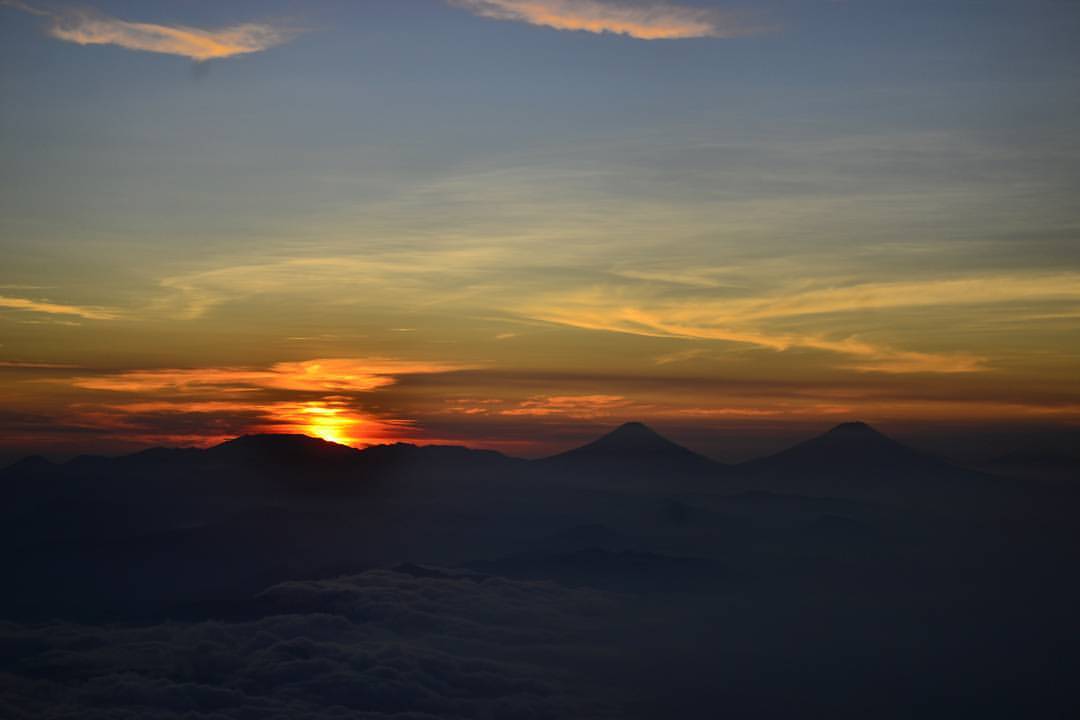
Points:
x=633 y=437
x=635 y=455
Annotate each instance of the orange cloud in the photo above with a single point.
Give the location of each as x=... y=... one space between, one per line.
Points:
x=656 y=21
x=311 y=397
x=330 y=375
x=578 y=406
x=334 y=419
x=87 y=27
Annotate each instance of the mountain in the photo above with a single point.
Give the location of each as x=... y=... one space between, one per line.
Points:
x=162 y=488
x=264 y=466
x=304 y=460
x=851 y=445
x=279 y=450
x=634 y=454
x=854 y=460
x=30 y=465
x=190 y=526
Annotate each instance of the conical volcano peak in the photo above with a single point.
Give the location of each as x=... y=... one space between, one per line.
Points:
x=854 y=428
x=632 y=450
x=848 y=445
x=855 y=435
x=635 y=431
x=635 y=436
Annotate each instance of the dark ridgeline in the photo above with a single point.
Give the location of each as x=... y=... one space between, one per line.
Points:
x=849 y=575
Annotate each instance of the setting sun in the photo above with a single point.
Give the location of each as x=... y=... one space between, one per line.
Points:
x=332 y=424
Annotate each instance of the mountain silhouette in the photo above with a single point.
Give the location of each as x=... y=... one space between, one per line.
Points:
x=854 y=459
x=632 y=452
x=282 y=449
x=265 y=468
x=269 y=559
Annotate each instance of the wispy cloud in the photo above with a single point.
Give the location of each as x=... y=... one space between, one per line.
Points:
x=51 y=308
x=90 y=27
x=644 y=21
x=681 y=356
x=688 y=321
x=330 y=375
x=919 y=293
x=30 y=365
x=752 y=320
x=413 y=276
x=580 y=406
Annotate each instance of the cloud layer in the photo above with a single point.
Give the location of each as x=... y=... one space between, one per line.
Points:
x=377 y=645
x=653 y=21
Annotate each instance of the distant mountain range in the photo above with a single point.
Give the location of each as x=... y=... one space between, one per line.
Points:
x=191 y=527
x=847 y=552
x=851 y=460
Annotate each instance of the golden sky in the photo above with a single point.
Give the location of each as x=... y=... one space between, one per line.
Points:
x=509 y=223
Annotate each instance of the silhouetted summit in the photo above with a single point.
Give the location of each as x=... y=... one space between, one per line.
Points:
x=273 y=442
x=842 y=445
x=635 y=436
x=861 y=440
x=633 y=450
x=282 y=450
x=852 y=460
x=854 y=428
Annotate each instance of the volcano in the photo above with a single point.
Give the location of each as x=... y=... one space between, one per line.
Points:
x=632 y=453
x=854 y=460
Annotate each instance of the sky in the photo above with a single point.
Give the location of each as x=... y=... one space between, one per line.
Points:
x=512 y=223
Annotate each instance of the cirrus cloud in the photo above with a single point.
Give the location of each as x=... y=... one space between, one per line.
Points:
x=324 y=375
x=652 y=21
x=90 y=27
x=803 y=318
x=50 y=308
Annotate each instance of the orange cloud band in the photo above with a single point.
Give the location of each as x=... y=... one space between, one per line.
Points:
x=89 y=27
x=644 y=22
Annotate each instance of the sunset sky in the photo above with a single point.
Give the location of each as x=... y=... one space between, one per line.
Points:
x=511 y=223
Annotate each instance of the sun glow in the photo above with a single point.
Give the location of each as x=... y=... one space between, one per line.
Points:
x=332 y=424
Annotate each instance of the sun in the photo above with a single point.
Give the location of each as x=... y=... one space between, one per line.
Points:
x=333 y=418
x=329 y=423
